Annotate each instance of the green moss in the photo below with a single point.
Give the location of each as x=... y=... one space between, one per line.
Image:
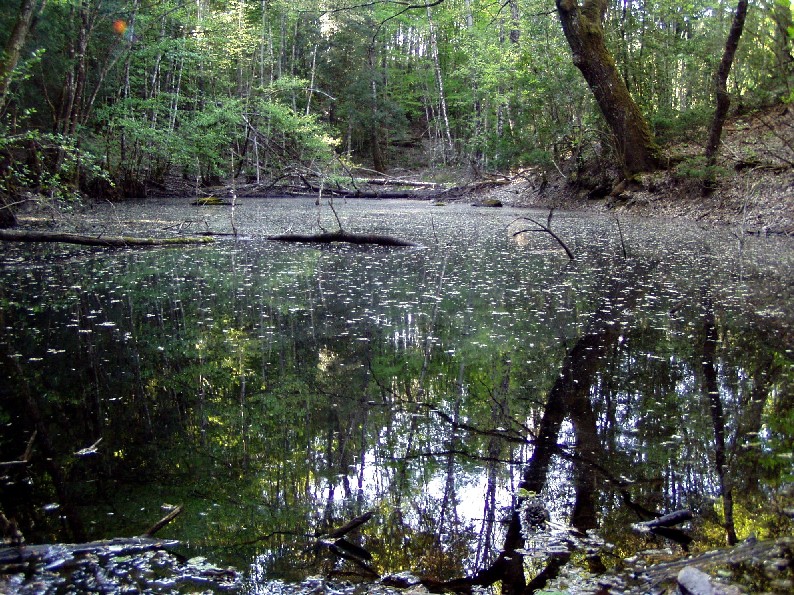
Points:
x=209 y=201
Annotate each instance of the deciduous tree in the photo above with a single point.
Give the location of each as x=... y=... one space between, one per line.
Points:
x=583 y=27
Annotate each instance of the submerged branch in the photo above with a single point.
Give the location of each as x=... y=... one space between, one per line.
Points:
x=547 y=229
x=342 y=236
x=13 y=235
x=25 y=458
x=61 y=553
x=163 y=521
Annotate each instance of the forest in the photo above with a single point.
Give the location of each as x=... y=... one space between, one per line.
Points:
x=396 y=396
x=129 y=98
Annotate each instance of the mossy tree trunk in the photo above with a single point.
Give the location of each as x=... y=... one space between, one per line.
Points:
x=13 y=46
x=583 y=28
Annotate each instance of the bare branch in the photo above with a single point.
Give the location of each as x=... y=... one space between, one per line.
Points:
x=545 y=228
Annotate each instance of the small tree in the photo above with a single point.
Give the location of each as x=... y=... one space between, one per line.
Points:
x=721 y=84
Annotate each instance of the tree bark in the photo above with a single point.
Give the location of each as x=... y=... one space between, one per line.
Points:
x=584 y=31
x=378 y=159
x=721 y=83
x=14 y=45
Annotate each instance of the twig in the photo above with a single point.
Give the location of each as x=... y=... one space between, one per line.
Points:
x=620 y=232
x=545 y=228
x=163 y=522
x=25 y=458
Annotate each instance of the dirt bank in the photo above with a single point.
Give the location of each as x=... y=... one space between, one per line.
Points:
x=754 y=190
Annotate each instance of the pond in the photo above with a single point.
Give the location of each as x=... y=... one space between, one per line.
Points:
x=277 y=391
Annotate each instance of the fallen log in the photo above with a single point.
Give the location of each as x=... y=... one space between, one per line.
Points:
x=668 y=520
x=396 y=182
x=359 y=193
x=471 y=187
x=16 y=235
x=343 y=237
x=57 y=554
x=664 y=526
x=750 y=552
x=341 y=547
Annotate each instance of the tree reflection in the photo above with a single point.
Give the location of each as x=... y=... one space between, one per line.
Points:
x=278 y=395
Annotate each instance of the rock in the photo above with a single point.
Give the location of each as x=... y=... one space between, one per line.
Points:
x=401 y=580
x=692 y=581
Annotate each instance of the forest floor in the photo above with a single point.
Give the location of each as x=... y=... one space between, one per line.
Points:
x=754 y=190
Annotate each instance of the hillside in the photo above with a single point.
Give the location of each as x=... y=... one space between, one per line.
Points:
x=755 y=186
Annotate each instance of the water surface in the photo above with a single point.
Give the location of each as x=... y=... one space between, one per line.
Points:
x=277 y=390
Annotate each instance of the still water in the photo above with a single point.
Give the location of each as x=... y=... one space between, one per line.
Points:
x=277 y=391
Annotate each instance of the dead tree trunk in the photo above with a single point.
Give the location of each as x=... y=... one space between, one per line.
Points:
x=342 y=236
x=107 y=241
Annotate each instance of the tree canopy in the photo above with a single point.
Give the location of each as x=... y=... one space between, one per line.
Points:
x=108 y=96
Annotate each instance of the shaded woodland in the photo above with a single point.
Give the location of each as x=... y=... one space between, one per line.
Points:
x=124 y=98
x=488 y=404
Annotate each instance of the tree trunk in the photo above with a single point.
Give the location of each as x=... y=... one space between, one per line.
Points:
x=721 y=83
x=14 y=45
x=712 y=389
x=583 y=29
x=378 y=159
x=781 y=17
x=515 y=21
x=442 y=100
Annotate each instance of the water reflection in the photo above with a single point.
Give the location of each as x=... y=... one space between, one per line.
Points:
x=278 y=391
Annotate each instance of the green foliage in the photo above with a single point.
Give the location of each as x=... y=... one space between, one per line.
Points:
x=48 y=166
x=697 y=169
x=675 y=126
x=168 y=92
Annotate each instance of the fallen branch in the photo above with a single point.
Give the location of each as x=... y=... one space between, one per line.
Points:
x=13 y=235
x=396 y=182
x=163 y=521
x=353 y=524
x=546 y=229
x=668 y=520
x=61 y=553
x=342 y=236
x=25 y=458
x=341 y=547
x=744 y=553
x=471 y=187
x=664 y=526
